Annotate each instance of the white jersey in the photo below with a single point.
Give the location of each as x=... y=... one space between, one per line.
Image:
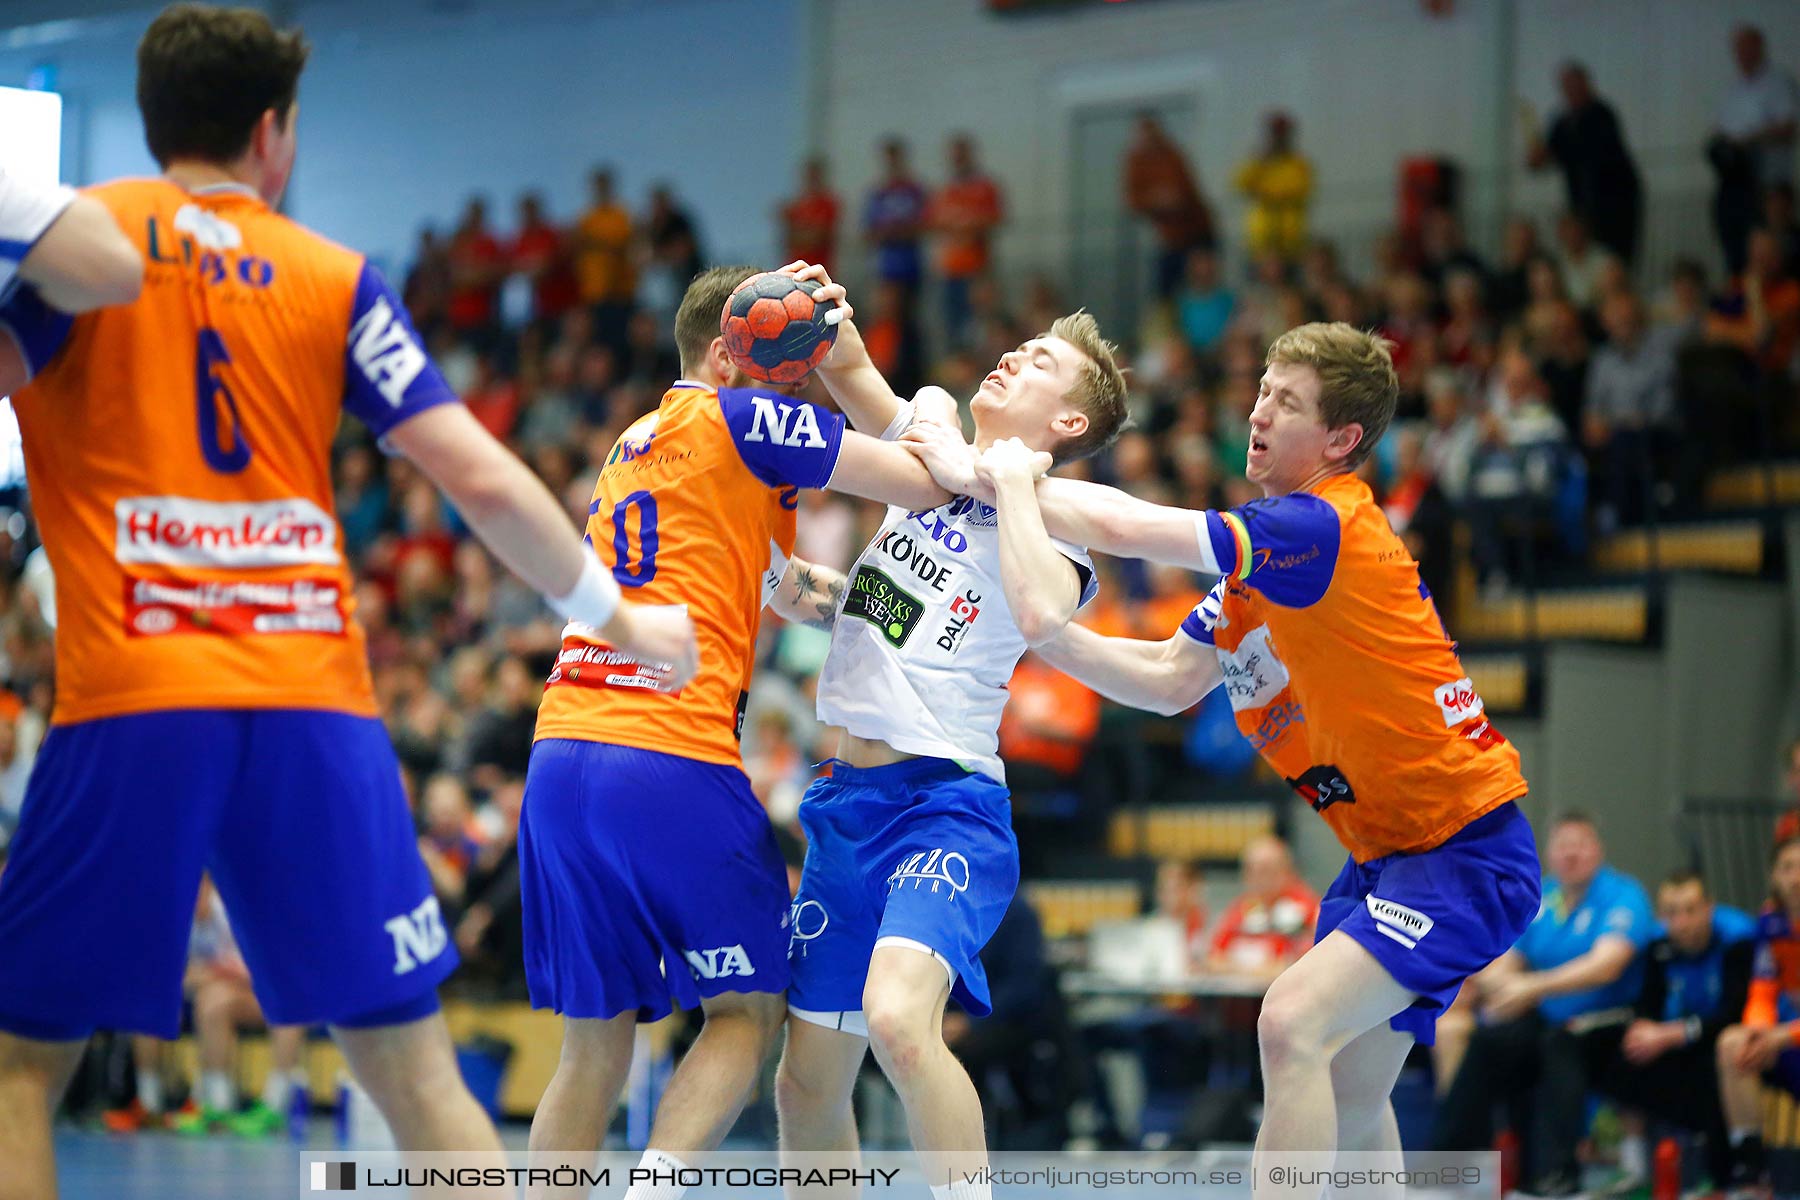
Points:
x=26 y=211
x=924 y=643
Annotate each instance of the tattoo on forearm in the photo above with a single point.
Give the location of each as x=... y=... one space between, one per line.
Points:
x=824 y=600
x=834 y=592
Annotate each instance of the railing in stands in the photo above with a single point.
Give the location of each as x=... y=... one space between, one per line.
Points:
x=1729 y=840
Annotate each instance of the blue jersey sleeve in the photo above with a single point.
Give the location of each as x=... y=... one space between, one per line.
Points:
x=39 y=329
x=1201 y=623
x=1286 y=547
x=388 y=377
x=785 y=442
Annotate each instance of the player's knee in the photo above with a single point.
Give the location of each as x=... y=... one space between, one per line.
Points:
x=1731 y=1040
x=898 y=1029
x=798 y=1088
x=1287 y=1029
x=760 y=1013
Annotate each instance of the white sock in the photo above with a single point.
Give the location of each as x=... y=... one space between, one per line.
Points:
x=963 y=1189
x=659 y=1189
x=217 y=1092
x=150 y=1091
x=278 y=1088
x=1634 y=1156
x=1740 y=1136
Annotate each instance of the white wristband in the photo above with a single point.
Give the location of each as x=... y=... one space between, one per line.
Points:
x=594 y=598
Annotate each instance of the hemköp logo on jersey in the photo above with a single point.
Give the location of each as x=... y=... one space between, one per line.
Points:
x=182 y=532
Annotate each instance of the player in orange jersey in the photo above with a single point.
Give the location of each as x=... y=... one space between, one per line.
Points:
x=1765 y=1046
x=1342 y=676
x=650 y=873
x=214 y=708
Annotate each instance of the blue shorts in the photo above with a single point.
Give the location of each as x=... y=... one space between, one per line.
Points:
x=921 y=852
x=300 y=819
x=1436 y=918
x=649 y=881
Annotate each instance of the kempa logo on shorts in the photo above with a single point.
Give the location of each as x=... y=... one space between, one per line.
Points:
x=719 y=962
x=807 y=920
x=1405 y=925
x=938 y=867
x=418 y=935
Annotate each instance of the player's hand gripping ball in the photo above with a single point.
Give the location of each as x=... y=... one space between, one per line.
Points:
x=773 y=329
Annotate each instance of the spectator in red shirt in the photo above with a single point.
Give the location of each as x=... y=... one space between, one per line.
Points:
x=540 y=252
x=494 y=399
x=964 y=214
x=809 y=222
x=476 y=268
x=1271 y=924
x=1160 y=187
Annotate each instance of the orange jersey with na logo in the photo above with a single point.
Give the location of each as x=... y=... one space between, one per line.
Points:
x=695 y=506
x=1340 y=673
x=178 y=454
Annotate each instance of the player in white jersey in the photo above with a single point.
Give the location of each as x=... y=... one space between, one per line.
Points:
x=65 y=245
x=911 y=858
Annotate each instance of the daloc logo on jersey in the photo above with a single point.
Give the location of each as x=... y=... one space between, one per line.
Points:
x=1323 y=787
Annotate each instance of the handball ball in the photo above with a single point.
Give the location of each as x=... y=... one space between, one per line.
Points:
x=774 y=331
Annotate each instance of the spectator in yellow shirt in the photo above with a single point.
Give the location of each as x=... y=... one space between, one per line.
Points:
x=603 y=265
x=1279 y=183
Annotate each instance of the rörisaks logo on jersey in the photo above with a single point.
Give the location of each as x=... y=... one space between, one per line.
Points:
x=874 y=597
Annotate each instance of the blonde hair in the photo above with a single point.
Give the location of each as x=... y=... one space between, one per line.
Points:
x=1099 y=389
x=1358 y=384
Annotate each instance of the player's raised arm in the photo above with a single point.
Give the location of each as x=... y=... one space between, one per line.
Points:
x=1166 y=677
x=511 y=510
x=1284 y=546
x=66 y=245
x=788 y=442
x=398 y=393
x=1107 y=519
x=849 y=374
x=1042 y=584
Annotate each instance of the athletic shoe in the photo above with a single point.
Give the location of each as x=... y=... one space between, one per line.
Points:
x=130 y=1119
x=257 y=1122
x=199 y=1122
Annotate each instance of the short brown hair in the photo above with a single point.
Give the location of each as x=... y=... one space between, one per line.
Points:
x=206 y=76
x=1356 y=372
x=1099 y=389
x=1681 y=879
x=697 y=320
